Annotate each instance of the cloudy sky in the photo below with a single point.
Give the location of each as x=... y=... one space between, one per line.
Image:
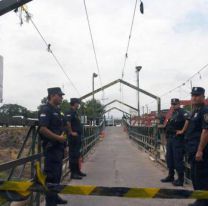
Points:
x=170 y=41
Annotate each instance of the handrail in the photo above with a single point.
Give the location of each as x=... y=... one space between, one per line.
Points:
x=150 y=139
x=89 y=139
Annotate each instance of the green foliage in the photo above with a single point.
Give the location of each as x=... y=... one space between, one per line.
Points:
x=65 y=106
x=10 y=110
x=43 y=102
x=92 y=109
x=13 y=110
x=187 y=108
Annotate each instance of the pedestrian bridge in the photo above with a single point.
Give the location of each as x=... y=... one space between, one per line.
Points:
x=113 y=157
x=116 y=161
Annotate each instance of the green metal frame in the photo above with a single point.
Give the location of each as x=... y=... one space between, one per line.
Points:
x=16 y=168
x=129 y=85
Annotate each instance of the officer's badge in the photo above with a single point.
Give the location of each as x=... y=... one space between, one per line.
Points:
x=43 y=115
x=196 y=115
x=206 y=117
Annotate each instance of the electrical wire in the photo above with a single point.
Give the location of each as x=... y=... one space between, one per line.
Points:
x=93 y=44
x=50 y=50
x=184 y=83
x=187 y=81
x=129 y=40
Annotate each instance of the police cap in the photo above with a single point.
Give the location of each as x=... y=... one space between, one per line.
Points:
x=55 y=90
x=198 y=91
x=75 y=100
x=175 y=101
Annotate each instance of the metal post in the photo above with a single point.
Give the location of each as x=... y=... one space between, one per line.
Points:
x=138 y=69
x=93 y=87
x=94 y=75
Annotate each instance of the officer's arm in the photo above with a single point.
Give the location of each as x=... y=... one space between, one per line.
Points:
x=47 y=133
x=203 y=140
x=202 y=145
x=71 y=132
x=185 y=127
x=69 y=117
x=204 y=137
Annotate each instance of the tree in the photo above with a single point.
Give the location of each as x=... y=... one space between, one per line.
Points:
x=92 y=109
x=9 y=110
x=43 y=102
x=65 y=106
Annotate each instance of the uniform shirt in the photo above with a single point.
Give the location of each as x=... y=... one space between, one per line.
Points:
x=177 y=121
x=51 y=118
x=73 y=118
x=198 y=121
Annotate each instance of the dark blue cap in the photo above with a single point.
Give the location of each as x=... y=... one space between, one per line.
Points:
x=75 y=100
x=198 y=91
x=175 y=101
x=55 y=90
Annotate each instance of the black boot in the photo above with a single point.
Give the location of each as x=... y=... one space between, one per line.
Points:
x=169 y=178
x=76 y=176
x=82 y=174
x=74 y=172
x=179 y=181
x=199 y=203
x=50 y=199
x=60 y=201
x=79 y=171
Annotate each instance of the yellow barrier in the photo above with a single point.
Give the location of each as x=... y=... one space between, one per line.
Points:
x=22 y=190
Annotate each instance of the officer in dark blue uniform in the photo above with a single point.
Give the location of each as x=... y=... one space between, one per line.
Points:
x=52 y=126
x=197 y=142
x=74 y=138
x=175 y=144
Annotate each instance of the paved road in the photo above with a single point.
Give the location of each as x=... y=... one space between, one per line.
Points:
x=116 y=161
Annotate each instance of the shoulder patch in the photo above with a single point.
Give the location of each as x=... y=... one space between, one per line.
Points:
x=206 y=117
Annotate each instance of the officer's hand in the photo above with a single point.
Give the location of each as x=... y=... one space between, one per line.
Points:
x=199 y=156
x=74 y=134
x=62 y=138
x=179 y=132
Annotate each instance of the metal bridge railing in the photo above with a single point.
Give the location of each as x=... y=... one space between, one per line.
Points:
x=23 y=167
x=152 y=140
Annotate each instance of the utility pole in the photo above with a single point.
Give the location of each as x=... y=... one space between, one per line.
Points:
x=138 y=69
x=94 y=75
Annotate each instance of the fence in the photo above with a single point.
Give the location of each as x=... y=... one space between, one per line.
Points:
x=152 y=140
x=23 y=167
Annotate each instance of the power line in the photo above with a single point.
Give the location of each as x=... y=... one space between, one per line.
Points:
x=29 y=18
x=93 y=44
x=185 y=82
x=129 y=39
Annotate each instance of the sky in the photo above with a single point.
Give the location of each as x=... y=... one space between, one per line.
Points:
x=170 y=42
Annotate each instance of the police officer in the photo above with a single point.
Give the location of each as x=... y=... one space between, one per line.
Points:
x=75 y=141
x=175 y=144
x=197 y=142
x=52 y=125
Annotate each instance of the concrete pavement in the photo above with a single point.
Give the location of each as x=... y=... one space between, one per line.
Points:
x=116 y=161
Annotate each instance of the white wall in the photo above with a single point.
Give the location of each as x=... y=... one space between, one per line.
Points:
x=1 y=79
